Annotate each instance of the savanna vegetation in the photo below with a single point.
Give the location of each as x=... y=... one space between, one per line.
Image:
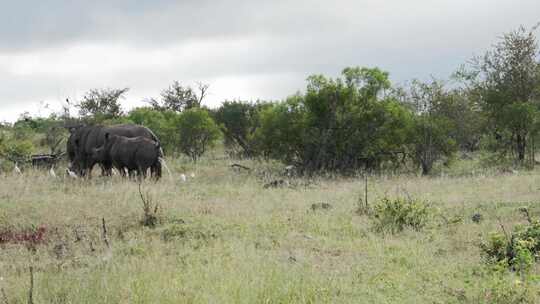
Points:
x=354 y=190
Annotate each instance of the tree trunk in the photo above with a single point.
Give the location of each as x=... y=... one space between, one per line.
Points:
x=521 y=144
x=426 y=167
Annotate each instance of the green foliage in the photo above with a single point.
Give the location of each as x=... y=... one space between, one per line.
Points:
x=496 y=248
x=24 y=128
x=281 y=133
x=342 y=124
x=102 y=104
x=518 y=251
x=505 y=83
x=18 y=150
x=239 y=122
x=501 y=289
x=191 y=132
x=371 y=81
x=51 y=131
x=430 y=141
x=198 y=132
x=13 y=149
x=434 y=131
x=394 y=215
x=467 y=120
x=177 y=98
x=160 y=122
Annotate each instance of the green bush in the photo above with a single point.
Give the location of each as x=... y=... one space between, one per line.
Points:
x=495 y=248
x=340 y=125
x=198 y=132
x=501 y=289
x=161 y=123
x=239 y=121
x=430 y=141
x=15 y=150
x=394 y=215
x=518 y=251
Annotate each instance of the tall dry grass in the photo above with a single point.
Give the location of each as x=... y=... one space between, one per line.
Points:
x=223 y=238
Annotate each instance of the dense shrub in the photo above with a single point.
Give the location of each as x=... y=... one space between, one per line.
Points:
x=394 y=215
x=338 y=125
x=239 y=121
x=518 y=251
x=502 y=289
x=15 y=150
x=430 y=141
x=160 y=122
x=197 y=131
x=505 y=84
x=190 y=132
x=282 y=131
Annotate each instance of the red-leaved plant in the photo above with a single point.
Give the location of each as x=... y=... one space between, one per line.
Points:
x=30 y=237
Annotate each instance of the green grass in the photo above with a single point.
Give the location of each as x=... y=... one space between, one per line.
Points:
x=222 y=238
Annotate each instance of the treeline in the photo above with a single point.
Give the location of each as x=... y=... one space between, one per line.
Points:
x=357 y=121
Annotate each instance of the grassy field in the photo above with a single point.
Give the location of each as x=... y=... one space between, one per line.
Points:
x=223 y=238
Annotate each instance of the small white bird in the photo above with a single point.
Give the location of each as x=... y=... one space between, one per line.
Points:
x=183 y=178
x=71 y=173
x=289 y=170
x=52 y=173
x=17 y=170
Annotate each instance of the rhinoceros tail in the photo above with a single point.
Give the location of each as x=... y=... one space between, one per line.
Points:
x=159 y=149
x=160 y=152
x=158 y=143
x=164 y=164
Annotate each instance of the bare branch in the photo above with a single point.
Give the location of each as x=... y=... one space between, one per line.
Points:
x=203 y=90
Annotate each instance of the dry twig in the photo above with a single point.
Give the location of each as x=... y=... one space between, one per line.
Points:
x=105 y=239
x=31 y=290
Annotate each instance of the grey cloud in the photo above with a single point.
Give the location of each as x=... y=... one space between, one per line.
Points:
x=255 y=41
x=28 y=24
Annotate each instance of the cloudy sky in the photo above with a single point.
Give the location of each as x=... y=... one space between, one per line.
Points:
x=57 y=49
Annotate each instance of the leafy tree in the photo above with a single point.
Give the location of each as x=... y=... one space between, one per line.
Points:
x=430 y=141
x=432 y=136
x=281 y=135
x=506 y=82
x=238 y=122
x=467 y=119
x=341 y=124
x=160 y=122
x=16 y=150
x=178 y=98
x=102 y=104
x=50 y=131
x=197 y=132
x=24 y=128
x=372 y=82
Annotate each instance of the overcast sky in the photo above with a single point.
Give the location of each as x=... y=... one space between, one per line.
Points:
x=57 y=49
